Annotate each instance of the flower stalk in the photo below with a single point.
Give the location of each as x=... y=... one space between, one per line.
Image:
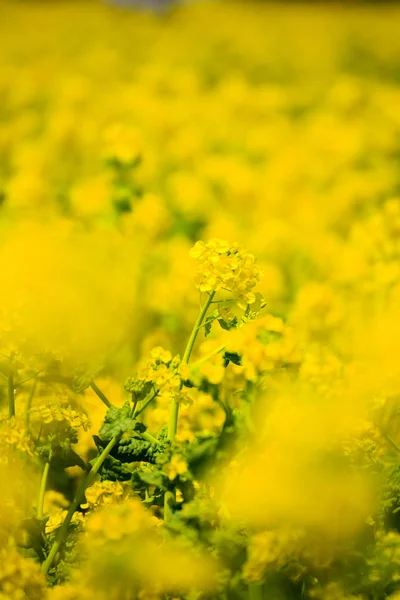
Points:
x=85 y=483
x=203 y=360
x=100 y=394
x=173 y=416
x=42 y=489
x=169 y=497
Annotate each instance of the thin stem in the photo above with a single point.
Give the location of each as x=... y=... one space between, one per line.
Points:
x=27 y=379
x=145 y=405
x=206 y=358
x=100 y=394
x=149 y=438
x=255 y=591
x=134 y=407
x=193 y=335
x=85 y=483
x=169 y=496
x=173 y=415
x=42 y=489
x=169 y=501
x=391 y=441
x=11 y=392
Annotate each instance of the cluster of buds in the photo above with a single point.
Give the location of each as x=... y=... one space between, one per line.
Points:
x=161 y=372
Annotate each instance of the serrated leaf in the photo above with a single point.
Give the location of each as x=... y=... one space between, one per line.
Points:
x=118 y=421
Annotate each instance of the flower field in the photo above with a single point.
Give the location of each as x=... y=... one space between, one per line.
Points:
x=200 y=301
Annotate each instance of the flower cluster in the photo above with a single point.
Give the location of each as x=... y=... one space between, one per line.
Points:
x=20 y=577
x=14 y=437
x=253 y=454
x=227 y=267
x=104 y=492
x=160 y=372
x=128 y=532
x=57 y=424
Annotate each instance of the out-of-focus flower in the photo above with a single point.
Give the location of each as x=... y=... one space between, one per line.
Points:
x=125 y=545
x=66 y=292
x=20 y=577
x=295 y=468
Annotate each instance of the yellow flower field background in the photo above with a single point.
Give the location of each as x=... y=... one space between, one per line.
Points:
x=200 y=301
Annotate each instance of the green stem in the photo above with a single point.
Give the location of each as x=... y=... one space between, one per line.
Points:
x=169 y=501
x=255 y=591
x=197 y=325
x=206 y=358
x=134 y=407
x=391 y=441
x=85 y=483
x=100 y=394
x=149 y=438
x=145 y=405
x=11 y=393
x=42 y=489
x=169 y=496
x=173 y=415
x=27 y=379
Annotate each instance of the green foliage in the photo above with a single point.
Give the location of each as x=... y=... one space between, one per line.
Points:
x=118 y=421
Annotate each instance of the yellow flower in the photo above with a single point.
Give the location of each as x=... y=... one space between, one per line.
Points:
x=104 y=492
x=224 y=266
x=20 y=576
x=159 y=354
x=58 y=421
x=14 y=436
x=177 y=466
x=125 y=544
x=56 y=519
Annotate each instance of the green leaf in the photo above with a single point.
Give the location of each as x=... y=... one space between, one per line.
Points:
x=209 y=321
x=118 y=421
x=155 y=477
x=228 y=324
x=130 y=450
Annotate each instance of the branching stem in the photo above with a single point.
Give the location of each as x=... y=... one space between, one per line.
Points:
x=146 y=403
x=173 y=416
x=42 y=489
x=100 y=394
x=169 y=497
x=85 y=483
x=206 y=358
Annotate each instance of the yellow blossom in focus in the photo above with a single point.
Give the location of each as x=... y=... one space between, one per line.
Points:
x=224 y=266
